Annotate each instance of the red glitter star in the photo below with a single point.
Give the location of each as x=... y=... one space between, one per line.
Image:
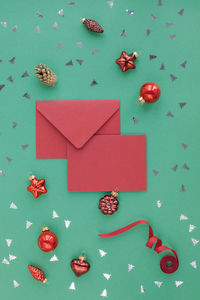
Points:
x=37 y=187
x=127 y=61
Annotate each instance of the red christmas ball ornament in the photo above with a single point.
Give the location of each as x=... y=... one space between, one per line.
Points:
x=127 y=61
x=37 y=186
x=47 y=240
x=149 y=93
x=109 y=203
x=37 y=274
x=80 y=266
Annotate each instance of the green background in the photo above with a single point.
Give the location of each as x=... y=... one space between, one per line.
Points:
x=164 y=137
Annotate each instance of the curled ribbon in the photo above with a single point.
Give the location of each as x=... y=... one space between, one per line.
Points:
x=169 y=263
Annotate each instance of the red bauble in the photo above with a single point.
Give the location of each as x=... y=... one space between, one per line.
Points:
x=80 y=266
x=149 y=93
x=109 y=203
x=47 y=241
x=127 y=61
x=37 y=274
x=37 y=187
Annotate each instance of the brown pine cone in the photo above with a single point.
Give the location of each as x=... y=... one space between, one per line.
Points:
x=92 y=25
x=109 y=204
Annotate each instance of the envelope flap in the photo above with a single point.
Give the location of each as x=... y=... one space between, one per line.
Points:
x=78 y=120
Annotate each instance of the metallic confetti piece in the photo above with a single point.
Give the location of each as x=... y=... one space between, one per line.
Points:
x=28 y=224
x=2 y=172
x=181 y=12
x=4 y=24
x=183 y=65
x=178 y=283
x=148 y=31
x=107 y=276
x=67 y=223
x=8 y=242
x=55 y=215
x=172 y=36
x=60 y=45
x=152 y=56
x=93 y=83
x=182 y=188
x=110 y=3
x=142 y=289
x=14 y=124
x=37 y=29
x=155 y=172
x=159 y=203
x=162 y=67
x=14 y=28
x=175 y=168
x=2 y=86
x=169 y=24
x=26 y=95
x=54 y=258
x=72 y=286
x=185 y=166
x=158 y=283
x=123 y=33
x=104 y=293
x=12 y=257
x=55 y=25
x=61 y=13
x=102 y=252
x=1 y=60
x=71 y=3
x=173 y=78
x=135 y=120
x=94 y=51
x=12 y=60
x=159 y=4
x=38 y=15
x=10 y=79
x=153 y=17
x=79 y=44
x=191 y=227
x=15 y=283
x=183 y=217
x=194 y=264
x=169 y=114
x=130 y=267
x=182 y=104
x=25 y=74
x=5 y=261
x=69 y=63
x=184 y=145
x=13 y=206
x=194 y=241
x=79 y=61
x=25 y=146
x=129 y=11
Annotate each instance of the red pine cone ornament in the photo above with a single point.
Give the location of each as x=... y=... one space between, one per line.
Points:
x=92 y=25
x=127 y=61
x=47 y=241
x=149 y=93
x=109 y=203
x=80 y=266
x=37 y=274
x=37 y=186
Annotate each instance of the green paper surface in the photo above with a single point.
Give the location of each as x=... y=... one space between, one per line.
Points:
x=165 y=134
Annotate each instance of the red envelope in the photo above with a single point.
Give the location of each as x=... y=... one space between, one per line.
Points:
x=108 y=162
x=60 y=123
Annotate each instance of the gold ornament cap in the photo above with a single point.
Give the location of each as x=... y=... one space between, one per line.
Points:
x=114 y=194
x=141 y=100
x=82 y=257
x=45 y=280
x=46 y=228
x=136 y=54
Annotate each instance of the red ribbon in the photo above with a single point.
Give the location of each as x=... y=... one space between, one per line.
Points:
x=169 y=263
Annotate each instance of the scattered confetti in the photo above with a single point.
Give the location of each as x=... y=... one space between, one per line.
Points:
x=129 y=11
x=130 y=267
x=102 y=253
x=25 y=74
x=55 y=25
x=37 y=29
x=61 y=13
x=10 y=79
x=79 y=44
x=2 y=86
x=175 y=168
x=38 y=15
x=135 y=120
x=159 y=203
x=169 y=114
x=152 y=56
x=72 y=286
x=13 y=206
x=182 y=104
x=191 y=227
x=8 y=242
x=194 y=264
x=69 y=63
x=173 y=78
x=169 y=24
x=12 y=60
x=24 y=147
x=162 y=67
x=79 y=61
x=71 y=3
x=142 y=289
x=182 y=188
x=28 y=224
x=172 y=36
x=183 y=65
x=94 y=51
x=184 y=145
x=183 y=217
x=5 y=261
x=55 y=215
x=107 y=276
x=159 y=2
x=54 y=258
x=2 y=172
x=194 y=241
x=158 y=283
x=14 y=28
x=26 y=95
x=1 y=60
x=155 y=172
x=110 y=3
x=59 y=45
x=14 y=124
x=93 y=83
x=148 y=31
x=67 y=223
x=4 y=24
x=15 y=283
x=123 y=33
x=178 y=283
x=104 y=293
x=181 y=12
x=185 y=166
x=153 y=17
x=12 y=257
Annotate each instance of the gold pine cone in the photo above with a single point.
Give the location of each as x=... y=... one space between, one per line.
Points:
x=45 y=75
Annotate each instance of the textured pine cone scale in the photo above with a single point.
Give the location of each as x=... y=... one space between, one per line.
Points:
x=92 y=25
x=45 y=75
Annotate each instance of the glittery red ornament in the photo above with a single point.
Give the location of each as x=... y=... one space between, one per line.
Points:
x=80 y=266
x=127 y=61
x=149 y=93
x=109 y=203
x=37 y=187
x=92 y=25
x=47 y=240
x=37 y=274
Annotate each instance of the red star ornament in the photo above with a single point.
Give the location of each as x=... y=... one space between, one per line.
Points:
x=127 y=61
x=37 y=187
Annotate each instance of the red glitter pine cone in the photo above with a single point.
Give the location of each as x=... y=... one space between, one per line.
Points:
x=109 y=203
x=47 y=240
x=37 y=274
x=92 y=25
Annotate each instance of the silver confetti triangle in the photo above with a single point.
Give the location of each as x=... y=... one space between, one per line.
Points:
x=25 y=74
x=148 y=31
x=182 y=104
x=26 y=95
x=135 y=120
x=184 y=145
x=14 y=124
x=9 y=159
x=60 y=45
x=38 y=15
x=173 y=78
x=129 y=11
x=153 y=17
x=94 y=51
x=172 y=36
x=169 y=24
x=12 y=60
x=10 y=79
x=110 y=3
x=37 y=29
x=152 y=56
x=159 y=2
x=79 y=61
x=79 y=44
x=162 y=67
x=185 y=166
x=175 y=168
x=183 y=65
x=182 y=188
x=123 y=33
x=169 y=114
x=69 y=63
x=55 y=25
x=181 y=12
x=71 y=3
x=25 y=146
x=93 y=83
x=155 y=172
x=61 y=13
x=2 y=86
x=4 y=24
x=2 y=172
x=14 y=28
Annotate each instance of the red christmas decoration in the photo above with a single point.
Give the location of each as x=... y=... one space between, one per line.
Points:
x=37 y=274
x=47 y=241
x=109 y=203
x=149 y=93
x=127 y=61
x=80 y=266
x=92 y=25
x=37 y=187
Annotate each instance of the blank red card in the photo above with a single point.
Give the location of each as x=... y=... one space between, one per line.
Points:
x=108 y=162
